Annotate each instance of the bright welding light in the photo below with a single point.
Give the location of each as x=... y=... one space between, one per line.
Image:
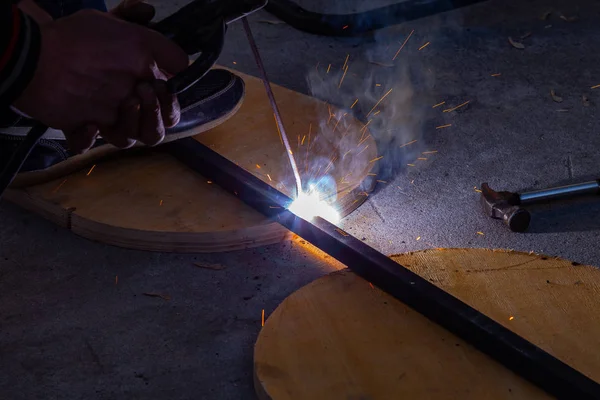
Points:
x=309 y=205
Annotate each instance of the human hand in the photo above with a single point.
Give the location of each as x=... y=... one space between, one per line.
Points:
x=36 y=12
x=96 y=72
x=136 y=11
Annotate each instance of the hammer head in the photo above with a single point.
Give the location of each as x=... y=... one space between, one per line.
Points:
x=505 y=206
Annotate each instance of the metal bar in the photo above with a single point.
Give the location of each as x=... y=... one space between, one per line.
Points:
x=578 y=189
x=511 y=350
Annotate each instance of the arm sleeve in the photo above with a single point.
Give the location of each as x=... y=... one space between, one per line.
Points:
x=19 y=52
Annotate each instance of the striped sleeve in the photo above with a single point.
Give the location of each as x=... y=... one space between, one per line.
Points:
x=19 y=52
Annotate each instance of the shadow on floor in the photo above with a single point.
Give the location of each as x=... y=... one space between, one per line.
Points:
x=574 y=215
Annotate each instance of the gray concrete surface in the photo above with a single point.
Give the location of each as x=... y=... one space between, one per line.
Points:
x=68 y=332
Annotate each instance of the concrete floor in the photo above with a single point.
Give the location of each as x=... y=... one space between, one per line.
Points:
x=67 y=331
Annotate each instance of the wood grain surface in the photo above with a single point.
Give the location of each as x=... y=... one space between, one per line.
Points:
x=341 y=338
x=148 y=200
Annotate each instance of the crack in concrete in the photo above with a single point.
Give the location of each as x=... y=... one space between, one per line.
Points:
x=376 y=209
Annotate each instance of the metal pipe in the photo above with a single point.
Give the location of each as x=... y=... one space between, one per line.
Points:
x=537 y=196
x=487 y=335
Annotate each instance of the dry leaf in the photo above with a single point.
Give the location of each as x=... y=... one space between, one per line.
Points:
x=516 y=45
x=271 y=22
x=585 y=100
x=381 y=64
x=162 y=296
x=546 y=15
x=556 y=98
x=568 y=19
x=526 y=35
x=210 y=266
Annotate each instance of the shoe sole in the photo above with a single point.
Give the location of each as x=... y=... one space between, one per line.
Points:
x=96 y=154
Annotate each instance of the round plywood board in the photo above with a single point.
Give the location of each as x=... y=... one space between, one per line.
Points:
x=150 y=201
x=341 y=338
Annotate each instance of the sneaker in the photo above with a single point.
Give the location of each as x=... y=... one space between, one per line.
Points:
x=210 y=102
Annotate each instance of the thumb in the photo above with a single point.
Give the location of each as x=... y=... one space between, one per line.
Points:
x=135 y=11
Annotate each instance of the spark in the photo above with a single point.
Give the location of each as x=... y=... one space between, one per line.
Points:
x=411 y=165
x=345 y=27
x=497 y=74
x=406 y=144
x=91 y=169
x=372 y=287
x=343 y=76
x=371 y=174
x=364 y=128
x=457 y=107
x=353 y=104
x=595 y=87
x=419 y=238
x=376 y=159
x=346 y=61
x=341 y=232
x=337 y=123
x=380 y=181
x=363 y=140
x=511 y=318
x=209 y=182
x=116 y=279
x=443 y=126
x=269 y=176
x=376 y=112
x=422 y=158
x=328 y=68
x=480 y=233
x=309 y=205
x=403 y=44
x=160 y=203
x=346 y=153
x=302 y=143
x=425 y=45
x=478 y=190
x=362 y=150
x=439 y=104
x=234 y=63
x=262 y=318
x=430 y=152
x=380 y=100
x=257 y=166
x=59 y=186
x=378 y=84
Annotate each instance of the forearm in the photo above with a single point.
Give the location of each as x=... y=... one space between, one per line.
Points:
x=19 y=52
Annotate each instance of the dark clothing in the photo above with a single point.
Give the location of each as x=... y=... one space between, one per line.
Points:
x=20 y=47
x=19 y=51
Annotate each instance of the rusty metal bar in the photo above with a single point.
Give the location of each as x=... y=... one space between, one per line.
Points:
x=493 y=339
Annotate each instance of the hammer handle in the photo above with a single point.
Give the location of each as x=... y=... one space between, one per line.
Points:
x=592 y=187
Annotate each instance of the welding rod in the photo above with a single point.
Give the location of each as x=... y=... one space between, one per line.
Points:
x=485 y=334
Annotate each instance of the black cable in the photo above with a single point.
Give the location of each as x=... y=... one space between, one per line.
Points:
x=363 y=22
x=20 y=155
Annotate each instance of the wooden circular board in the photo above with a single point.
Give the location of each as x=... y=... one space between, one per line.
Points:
x=150 y=201
x=340 y=338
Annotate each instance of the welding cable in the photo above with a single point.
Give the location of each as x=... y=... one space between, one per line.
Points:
x=362 y=22
x=20 y=155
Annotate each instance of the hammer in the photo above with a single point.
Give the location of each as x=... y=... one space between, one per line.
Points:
x=507 y=205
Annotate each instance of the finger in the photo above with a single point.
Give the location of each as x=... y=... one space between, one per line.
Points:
x=168 y=56
x=81 y=140
x=151 y=129
x=169 y=106
x=135 y=11
x=123 y=133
